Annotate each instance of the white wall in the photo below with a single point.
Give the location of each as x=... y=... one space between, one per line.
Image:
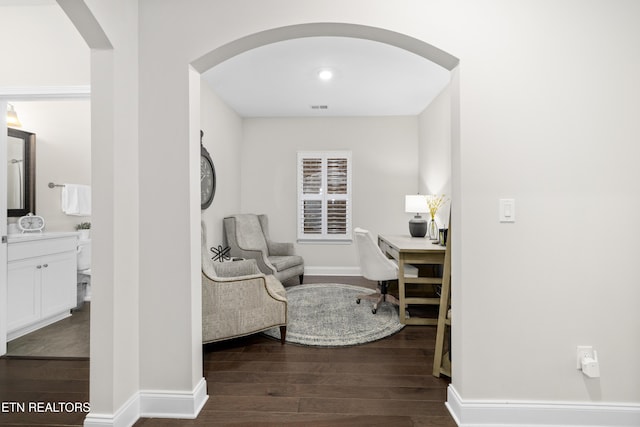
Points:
x=385 y=168
x=117 y=318
x=63 y=153
x=536 y=127
x=169 y=202
x=222 y=138
x=434 y=151
x=41 y=48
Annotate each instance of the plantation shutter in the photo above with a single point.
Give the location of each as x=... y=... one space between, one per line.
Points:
x=337 y=215
x=324 y=196
x=312 y=196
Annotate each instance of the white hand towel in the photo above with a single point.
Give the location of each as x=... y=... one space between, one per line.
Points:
x=76 y=199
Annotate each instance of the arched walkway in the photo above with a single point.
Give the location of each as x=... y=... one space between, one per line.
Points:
x=262 y=38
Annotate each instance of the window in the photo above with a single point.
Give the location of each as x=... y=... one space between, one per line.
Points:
x=324 y=196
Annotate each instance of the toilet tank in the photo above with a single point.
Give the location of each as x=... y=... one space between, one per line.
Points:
x=84 y=254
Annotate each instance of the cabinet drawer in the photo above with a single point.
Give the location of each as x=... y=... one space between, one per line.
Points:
x=35 y=248
x=393 y=253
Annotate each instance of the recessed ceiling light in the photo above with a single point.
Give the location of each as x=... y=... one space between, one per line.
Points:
x=325 y=74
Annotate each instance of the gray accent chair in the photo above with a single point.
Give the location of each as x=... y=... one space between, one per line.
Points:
x=239 y=300
x=248 y=237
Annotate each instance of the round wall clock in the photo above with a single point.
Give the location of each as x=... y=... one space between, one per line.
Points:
x=30 y=222
x=207 y=177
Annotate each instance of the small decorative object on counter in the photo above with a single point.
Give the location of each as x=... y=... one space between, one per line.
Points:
x=443 y=236
x=221 y=254
x=84 y=229
x=30 y=222
x=434 y=203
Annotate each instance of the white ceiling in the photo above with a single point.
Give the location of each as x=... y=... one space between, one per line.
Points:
x=370 y=79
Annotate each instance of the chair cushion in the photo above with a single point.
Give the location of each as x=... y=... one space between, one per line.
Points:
x=249 y=233
x=282 y=263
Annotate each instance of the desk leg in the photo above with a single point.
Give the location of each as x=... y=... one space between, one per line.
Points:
x=401 y=291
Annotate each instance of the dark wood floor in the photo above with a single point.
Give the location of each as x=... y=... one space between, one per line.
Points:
x=65 y=338
x=256 y=381
x=40 y=381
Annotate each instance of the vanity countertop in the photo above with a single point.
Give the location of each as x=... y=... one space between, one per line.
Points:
x=27 y=237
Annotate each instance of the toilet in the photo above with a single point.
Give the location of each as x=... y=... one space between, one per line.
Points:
x=84 y=272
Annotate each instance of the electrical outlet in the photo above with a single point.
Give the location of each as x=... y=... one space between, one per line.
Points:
x=583 y=352
x=591 y=366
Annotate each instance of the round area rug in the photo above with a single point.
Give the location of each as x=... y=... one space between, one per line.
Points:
x=327 y=315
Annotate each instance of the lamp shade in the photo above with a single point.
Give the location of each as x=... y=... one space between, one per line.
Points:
x=12 y=117
x=415 y=203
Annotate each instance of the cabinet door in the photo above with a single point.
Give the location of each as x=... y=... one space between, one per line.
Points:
x=23 y=294
x=58 y=283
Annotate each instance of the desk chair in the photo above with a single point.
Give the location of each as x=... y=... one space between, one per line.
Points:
x=374 y=265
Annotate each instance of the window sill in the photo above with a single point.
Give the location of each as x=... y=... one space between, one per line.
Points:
x=325 y=241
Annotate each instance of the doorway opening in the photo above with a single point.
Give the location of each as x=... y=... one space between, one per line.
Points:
x=53 y=103
x=353 y=31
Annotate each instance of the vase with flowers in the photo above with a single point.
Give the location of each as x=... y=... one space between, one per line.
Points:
x=434 y=203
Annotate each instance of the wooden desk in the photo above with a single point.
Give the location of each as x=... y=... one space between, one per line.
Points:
x=413 y=250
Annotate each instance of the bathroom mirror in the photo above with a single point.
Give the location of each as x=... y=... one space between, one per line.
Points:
x=21 y=176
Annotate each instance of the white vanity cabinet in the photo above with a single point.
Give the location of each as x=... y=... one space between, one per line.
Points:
x=41 y=283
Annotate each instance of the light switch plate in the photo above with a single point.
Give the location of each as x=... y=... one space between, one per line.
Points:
x=507 y=210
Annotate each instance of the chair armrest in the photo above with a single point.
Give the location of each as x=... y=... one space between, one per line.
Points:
x=260 y=258
x=236 y=279
x=256 y=284
x=237 y=268
x=280 y=249
x=238 y=306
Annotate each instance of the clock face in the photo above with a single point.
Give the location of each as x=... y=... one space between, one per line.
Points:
x=207 y=179
x=31 y=222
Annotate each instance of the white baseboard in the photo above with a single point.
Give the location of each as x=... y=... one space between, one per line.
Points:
x=154 y=404
x=126 y=416
x=37 y=325
x=332 y=271
x=171 y=404
x=489 y=413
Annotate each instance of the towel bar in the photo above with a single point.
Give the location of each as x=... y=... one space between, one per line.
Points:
x=52 y=185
